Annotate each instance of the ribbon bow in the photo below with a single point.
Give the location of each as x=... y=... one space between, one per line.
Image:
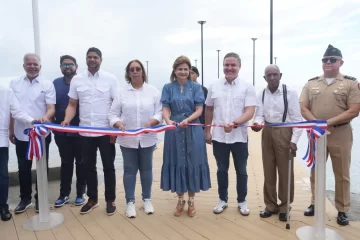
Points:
x=313 y=134
x=35 y=146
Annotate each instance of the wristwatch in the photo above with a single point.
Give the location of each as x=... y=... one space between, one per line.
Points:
x=235 y=124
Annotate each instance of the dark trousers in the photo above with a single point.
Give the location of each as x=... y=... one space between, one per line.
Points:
x=107 y=153
x=70 y=148
x=4 y=177
x=25 y=165
x=240 y=154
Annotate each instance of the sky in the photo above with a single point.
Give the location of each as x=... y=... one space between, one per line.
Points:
x=160 y=31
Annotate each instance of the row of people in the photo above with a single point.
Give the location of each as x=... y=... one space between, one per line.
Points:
x=230 y=101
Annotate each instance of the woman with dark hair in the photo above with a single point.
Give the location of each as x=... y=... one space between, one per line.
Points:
x=137 y=105
x=185 y=167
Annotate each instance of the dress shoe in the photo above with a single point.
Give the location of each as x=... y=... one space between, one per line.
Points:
x=5 y=214
x=310 y=211
x=267 y=213
x=342 y=219
x=283 y=217
x=23 y=205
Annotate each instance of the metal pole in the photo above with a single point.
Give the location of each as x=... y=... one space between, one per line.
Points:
x=202 y=52
x=147 y=70
x=218 y=63
x=195 y=62
x=271 y=31
x=275 y=59
x=253 y=60
x=35 y=10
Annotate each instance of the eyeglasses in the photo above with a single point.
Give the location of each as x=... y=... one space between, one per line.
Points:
x=65 y=65
x=138 y=69
x=332 y=60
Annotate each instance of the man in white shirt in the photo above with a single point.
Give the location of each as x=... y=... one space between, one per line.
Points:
x=37 y=97
x=276 y=104
x=8 y=105
x=94 y=91
x=230 y=102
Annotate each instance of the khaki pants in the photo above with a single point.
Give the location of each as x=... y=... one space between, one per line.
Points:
x=275 y=155
x=339 y=144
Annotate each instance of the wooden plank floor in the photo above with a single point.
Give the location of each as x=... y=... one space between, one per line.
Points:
x=205 y=225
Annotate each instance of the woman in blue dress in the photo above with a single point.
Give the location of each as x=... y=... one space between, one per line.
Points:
x=185 y=164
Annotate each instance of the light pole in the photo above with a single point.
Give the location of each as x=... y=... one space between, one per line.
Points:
x=218 y=63
x=147 y=70
x=202 y=52
x=254 y=60
x=275 y=59
x=195 y=62
x=271 y=31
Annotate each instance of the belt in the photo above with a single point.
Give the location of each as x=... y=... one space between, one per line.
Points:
x=341 y=124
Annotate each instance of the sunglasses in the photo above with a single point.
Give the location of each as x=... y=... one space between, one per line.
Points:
x=332 y=60
x=65 y=65
x=138 y=69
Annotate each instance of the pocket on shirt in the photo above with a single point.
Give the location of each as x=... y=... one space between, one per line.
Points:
x=217 y=99
x=238 y=101
x=38 y=96
x=83 y=92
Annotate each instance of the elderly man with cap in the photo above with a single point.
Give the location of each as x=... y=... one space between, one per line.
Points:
x=194 y=74
x=275 y=104
x=336 y=98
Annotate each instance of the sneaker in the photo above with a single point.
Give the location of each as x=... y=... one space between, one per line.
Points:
x=148 y=207
x=110 y=208
x=243 y=208
x=23 y=205
x=61 y=201
x=220 y=206
x=79 y=201
x=90 y=205
x=130 y=210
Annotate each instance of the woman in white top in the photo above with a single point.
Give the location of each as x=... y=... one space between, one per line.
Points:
x=137 y=105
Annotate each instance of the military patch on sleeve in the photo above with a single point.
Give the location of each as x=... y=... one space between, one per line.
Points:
x=314 y=78
x=349 y=77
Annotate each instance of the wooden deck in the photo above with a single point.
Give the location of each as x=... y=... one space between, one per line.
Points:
x=206 y=225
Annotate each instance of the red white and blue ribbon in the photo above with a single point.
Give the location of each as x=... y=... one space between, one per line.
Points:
x=35 y=147
x=314 y=128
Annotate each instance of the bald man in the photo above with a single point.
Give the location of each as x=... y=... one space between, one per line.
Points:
x=277 y=104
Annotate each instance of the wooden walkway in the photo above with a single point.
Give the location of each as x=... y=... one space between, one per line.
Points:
x=206 y=225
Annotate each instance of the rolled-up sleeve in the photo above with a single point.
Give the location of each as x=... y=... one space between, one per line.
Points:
x=115 y=110
x=295 y=115
x=259 y=112
x=157 y=107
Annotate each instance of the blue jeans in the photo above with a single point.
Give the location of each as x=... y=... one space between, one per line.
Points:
x=137 y=159
x=240 y=155
x=4 y=177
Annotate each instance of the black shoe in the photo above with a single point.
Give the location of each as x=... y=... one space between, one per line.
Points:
x=267 y=213
x=37 y=206
x=5 y=214
x=23 y=205
x=283 y=217
x=342 y=219
x=90 y=205
x=110 y=208
x=310 y=211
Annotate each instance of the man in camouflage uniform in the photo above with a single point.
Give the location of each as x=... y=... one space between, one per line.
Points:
x=336 y=98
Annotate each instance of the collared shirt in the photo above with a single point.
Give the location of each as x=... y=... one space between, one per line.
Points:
x=62 y=101
x=229 y=102
x=135 y=107
x=33 y=97
x=325 y=100
x=273 y=109
x=9 y=104
x=95 y=94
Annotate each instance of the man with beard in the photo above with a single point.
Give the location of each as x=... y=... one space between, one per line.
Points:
x=37 y=97
x=277 y=104
x=231 y=101
x=94 y=91
x=336 y=98
x=69 y=144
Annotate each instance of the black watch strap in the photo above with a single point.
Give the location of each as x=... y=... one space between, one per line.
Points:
x=235 y=124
